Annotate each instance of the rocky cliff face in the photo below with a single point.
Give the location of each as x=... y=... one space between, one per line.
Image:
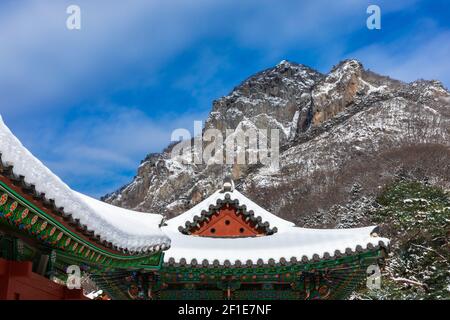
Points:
x=335 y=130
x=269 y=99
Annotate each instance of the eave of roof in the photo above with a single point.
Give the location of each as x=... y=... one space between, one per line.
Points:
x=290 y=244
x=125 y=230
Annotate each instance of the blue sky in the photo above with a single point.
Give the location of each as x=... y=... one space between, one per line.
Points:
x=92 y=103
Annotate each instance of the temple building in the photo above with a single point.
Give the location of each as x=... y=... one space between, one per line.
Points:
x=225 y=247
x=228 y=247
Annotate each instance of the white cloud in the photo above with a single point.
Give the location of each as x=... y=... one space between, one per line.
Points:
x=101 y=152
x=424 y=56
x=307 y=24
x=45 y=65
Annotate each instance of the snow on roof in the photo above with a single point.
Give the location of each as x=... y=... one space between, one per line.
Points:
x=289 y=242
x=133 y=230
x=189 y=215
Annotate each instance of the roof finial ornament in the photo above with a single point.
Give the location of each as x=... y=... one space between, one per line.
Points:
x=228 y=185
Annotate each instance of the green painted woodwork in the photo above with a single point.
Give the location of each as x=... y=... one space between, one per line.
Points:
x=326 y=279
x=144 y=276
x=19 y=215
x=275 y=273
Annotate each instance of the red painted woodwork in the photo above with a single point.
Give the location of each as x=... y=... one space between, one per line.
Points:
x=18 y=282
x=226 y=223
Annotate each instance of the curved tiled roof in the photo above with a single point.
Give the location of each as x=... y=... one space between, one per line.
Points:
x=290 y=244
x=249 y=215
x=124 y=229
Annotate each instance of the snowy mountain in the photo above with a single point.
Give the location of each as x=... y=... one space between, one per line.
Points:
x=337 y=130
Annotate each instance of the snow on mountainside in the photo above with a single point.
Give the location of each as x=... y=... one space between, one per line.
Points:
x=329 y=125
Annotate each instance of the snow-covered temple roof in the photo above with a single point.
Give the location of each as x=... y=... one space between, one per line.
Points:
x=287 y=244
x=126 y=229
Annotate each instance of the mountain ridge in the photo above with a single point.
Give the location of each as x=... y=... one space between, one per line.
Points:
x=326 y=121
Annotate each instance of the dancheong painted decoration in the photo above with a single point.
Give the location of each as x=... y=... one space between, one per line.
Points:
x=225 y=247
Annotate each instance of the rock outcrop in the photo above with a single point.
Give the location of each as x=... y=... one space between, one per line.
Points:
x=329 y=125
